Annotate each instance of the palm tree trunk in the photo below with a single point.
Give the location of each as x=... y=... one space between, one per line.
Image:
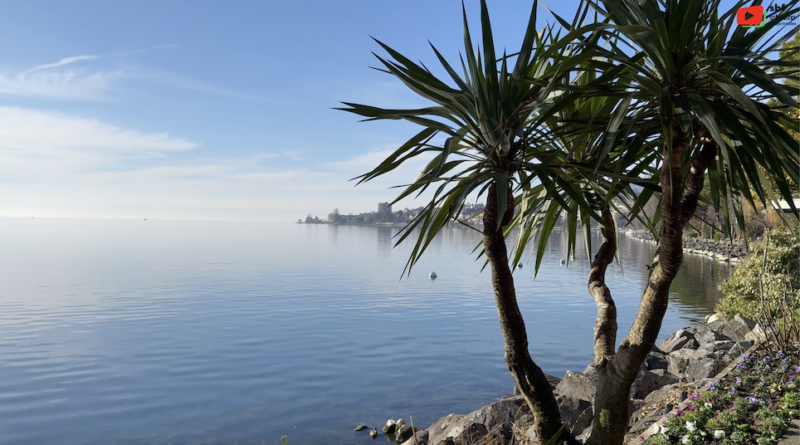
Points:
x=605 y=326
x=530 y=379
x=616 y=376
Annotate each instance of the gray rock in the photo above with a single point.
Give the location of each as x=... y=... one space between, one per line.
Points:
x=403 y=433
x=497 y=419
x=710 y=336
x=717 y=346
x=577 y=412
x=584 y=436
x=389 y=427
x=421 y=438
x=737 y=350
x=577 y=386
x=679 y=360
x=441 y=429
x=649 y=381
x=680 y=340
x=702 y=368
x=361 y=427
x=756 y=335
x=638 y=426
x=655 y=360
x=738 y=327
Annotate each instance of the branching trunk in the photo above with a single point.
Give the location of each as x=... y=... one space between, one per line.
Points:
x=605 y=327
x=616 y=376
x=530 y=379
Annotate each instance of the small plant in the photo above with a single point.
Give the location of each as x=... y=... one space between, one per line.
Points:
x=791 y=400
x=283 y=440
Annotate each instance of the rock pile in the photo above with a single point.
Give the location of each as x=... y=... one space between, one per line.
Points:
x=704 y=246
x=683 y=362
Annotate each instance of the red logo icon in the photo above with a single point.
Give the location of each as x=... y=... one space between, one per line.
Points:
x=750 y=16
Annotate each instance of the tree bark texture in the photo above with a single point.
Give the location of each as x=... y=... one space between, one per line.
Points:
x=605 y=326
x=530 y=379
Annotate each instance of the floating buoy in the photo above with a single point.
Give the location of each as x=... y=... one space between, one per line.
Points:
x=519 y=266
x=432 y=275
x=563 y=261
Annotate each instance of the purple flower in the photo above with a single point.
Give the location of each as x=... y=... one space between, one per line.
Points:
x=781 y=354
x=766 y=359
x=738 y=382
x=762 y=403
x=797 y=369
x=733 y=389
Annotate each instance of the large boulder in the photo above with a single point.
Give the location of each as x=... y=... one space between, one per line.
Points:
x=577 y=386
x=683 y=339
x=443 y=427
x=679 y=360
x=649 y=381
x=756 y=335
x=403 y=433
x=736 y=350
x=721 y=346
x=702 y=368
x=421 y=438
x=575 y=395
x=496 y=420
x=709 y=332
x=655 y=359
x=577 y=413
x=738 y=327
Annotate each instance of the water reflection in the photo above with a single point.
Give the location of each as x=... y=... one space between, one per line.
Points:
x=223 y=332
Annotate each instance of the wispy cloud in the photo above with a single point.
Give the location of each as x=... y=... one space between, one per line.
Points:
x=62 y=80
x=62 y=62
x=52 y=164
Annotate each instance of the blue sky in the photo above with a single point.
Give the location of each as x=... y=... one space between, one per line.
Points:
x=212 y=110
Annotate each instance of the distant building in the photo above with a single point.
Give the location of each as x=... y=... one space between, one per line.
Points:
x=384 y=207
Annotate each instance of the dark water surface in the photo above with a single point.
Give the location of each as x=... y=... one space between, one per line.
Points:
x=160 y=332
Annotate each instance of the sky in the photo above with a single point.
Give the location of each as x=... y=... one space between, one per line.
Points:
x=212 y=110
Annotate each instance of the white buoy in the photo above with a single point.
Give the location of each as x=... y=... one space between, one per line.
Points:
x=519 y=266
x=432 y=276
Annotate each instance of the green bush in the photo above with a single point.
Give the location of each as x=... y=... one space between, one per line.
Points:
x=742 y=291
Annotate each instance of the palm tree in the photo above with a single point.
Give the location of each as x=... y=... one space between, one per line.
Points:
x=700 y=83
x=488 y=152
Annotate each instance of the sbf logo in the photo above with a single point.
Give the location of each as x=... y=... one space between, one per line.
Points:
x=751 y=17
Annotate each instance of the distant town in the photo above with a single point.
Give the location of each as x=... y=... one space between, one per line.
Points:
x=385 y=216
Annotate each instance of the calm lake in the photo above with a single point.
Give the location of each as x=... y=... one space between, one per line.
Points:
x=162 y=332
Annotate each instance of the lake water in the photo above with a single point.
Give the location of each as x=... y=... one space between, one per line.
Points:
x=161 y=332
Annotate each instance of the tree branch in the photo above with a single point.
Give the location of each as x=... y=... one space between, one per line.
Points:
x=605 y=326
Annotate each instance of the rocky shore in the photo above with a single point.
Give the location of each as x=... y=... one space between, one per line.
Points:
x=679 y=365
x=719 y=250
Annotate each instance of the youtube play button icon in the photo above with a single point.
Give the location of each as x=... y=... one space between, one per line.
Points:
x=750 y=16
